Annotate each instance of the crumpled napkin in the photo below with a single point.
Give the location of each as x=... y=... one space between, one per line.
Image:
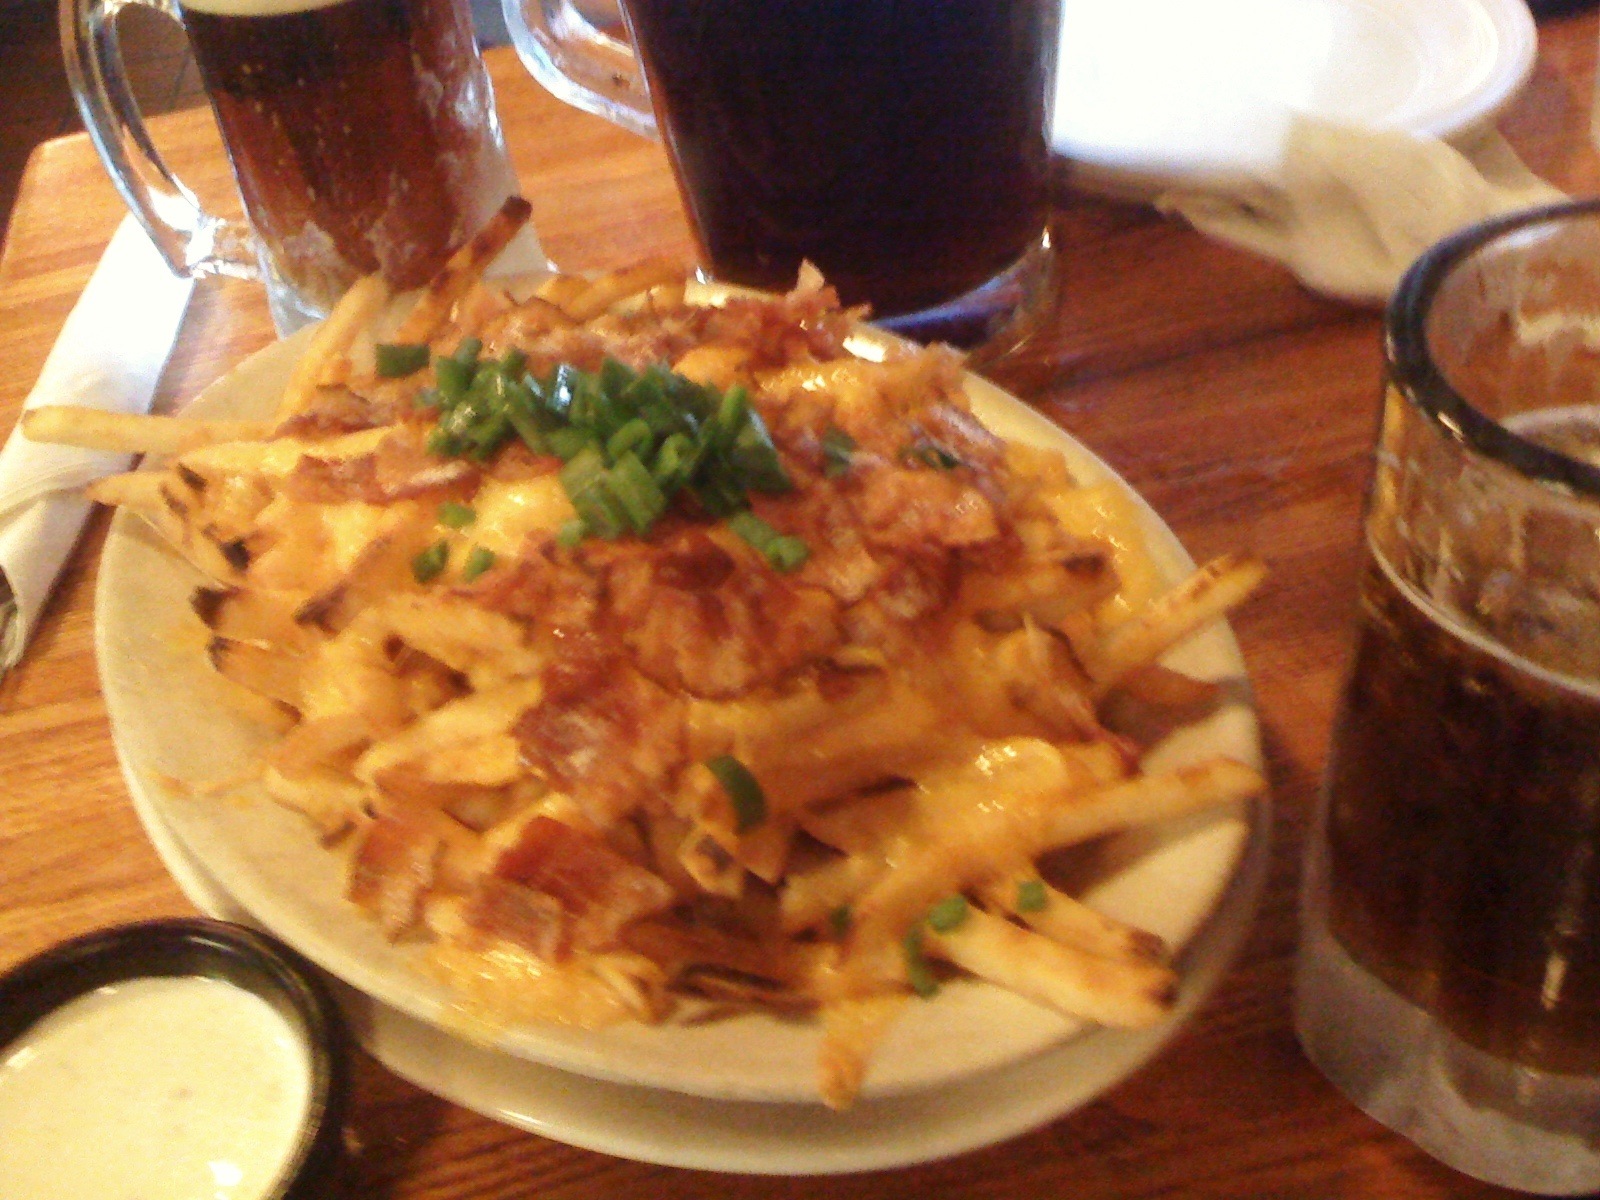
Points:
x=1348 y=209
x=109 y=355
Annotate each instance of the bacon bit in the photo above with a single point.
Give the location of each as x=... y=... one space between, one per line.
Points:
x=701 y=618
x=804 y=325
x=392 y=868
x=544 y=589
x=516 y=463
x=335 y=410
x=533 y=920
x=905 y=509
x=603 y=733
x=595 y=892
x=399 y=469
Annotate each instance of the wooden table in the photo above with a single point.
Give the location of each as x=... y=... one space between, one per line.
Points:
x=1240 y=405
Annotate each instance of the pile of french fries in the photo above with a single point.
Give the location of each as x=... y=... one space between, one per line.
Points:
x=659 y=770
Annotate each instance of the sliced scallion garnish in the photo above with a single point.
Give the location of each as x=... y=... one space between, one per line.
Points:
x=478 y=561
x=918 y=973
x=642 y=437
x=456 y=516
x=396 y=360
x=1032 y=896
x=838 y=452
x=427 y=565
x=948 y=914
x=744 y=792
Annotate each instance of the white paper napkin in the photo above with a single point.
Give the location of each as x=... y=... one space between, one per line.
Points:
x=109 y=355
x=1348 y=209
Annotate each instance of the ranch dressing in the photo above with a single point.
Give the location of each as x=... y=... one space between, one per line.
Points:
x=181 y=1088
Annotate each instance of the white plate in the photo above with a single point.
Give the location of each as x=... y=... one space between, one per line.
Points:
x=170 y=723
x=1156 y=93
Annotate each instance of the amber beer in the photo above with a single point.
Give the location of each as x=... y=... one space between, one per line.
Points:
x=1463 y=830
x=362 y=133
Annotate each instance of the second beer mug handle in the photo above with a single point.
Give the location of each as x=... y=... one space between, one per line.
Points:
x=580 y=53
x=193 y=241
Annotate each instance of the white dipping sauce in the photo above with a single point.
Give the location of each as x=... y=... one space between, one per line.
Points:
x=181 y=1088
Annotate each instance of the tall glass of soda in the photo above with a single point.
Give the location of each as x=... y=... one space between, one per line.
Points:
x=362 y=135
x=1449 y=970
x=900 y=147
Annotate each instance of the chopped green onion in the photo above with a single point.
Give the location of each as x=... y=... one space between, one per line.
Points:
x=732 y=413
x=918 y=973
x=838 y=452
x=603 y=515
x=396 y=360
x=571 y=533
x=753 y=530
x=456 y=516
x=634 y=436
x=584 y=479
x=787 y=553
x=642 y=437
x=615 y=377
x=427 y=565
x=454 y=376
x=754 y=458
x=782 y=552
x=1032 y=896
x=949 y=913
x=719 y=495
x=528 y=431
x=568 y=443
x=675 y=461
x=749 y=801
x=479 y=561
x=630 y=483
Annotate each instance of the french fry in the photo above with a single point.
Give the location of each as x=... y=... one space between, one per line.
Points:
x=132 y=433
x=616 y=286
x=1030 y=823
x=328 y=798
x=354 y=312
x=1203 y=597
x=851 y=1031
x=264 y=671
x=137 y=491
x=1068 y=920
x=1119 y=993
x=463 y=269
x=172 y=508
x=561 y=291
x=1165 y=688
x=481 y=716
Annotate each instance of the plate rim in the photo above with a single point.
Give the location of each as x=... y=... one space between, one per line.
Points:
x=1459 y=122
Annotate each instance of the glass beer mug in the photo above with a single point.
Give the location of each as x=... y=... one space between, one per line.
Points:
x=1449 y=971
x=902 y=148
x=362 y=136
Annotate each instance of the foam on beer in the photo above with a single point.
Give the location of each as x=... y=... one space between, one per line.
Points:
x=256 y=8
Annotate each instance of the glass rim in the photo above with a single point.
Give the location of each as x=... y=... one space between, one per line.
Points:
x=1419 y=377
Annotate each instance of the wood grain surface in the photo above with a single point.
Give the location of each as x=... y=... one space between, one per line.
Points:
x=1241 y=405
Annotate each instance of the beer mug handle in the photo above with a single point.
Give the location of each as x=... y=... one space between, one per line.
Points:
x=191 y=240
x=571 y=50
